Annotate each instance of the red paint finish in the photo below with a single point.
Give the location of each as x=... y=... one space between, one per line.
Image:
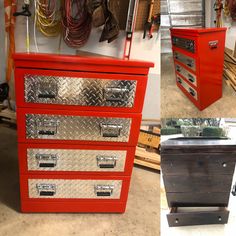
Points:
x=82 y=67
x=139 y=94
x=209 y=59
x=22 y=152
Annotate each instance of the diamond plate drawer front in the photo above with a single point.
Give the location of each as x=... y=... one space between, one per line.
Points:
x=76 y=189
x=61 y=127
x=188 y=88
x=186 y=74
x=75 y=160
x=188 y=61
x=79 y=91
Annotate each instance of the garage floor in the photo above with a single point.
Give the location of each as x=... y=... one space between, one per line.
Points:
x=141 y=217
x=176 y=105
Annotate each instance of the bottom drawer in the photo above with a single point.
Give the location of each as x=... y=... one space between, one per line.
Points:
x=58 y=187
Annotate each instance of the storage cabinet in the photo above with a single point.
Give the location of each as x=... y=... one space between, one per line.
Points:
x=197 y=175
x=198 y=59
x=78 y=122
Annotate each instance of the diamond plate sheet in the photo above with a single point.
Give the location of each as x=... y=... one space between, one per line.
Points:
x=75 y=127
x=186 y=74
x=75 y=160
x=79 y=91
x=82 y=189
x=188 y=88
x=188 y=61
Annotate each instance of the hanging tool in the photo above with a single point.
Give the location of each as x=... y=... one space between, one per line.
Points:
x=130 y=25
x=148 y=24
x=156 y=21
x=218 y=7
x=26 y=12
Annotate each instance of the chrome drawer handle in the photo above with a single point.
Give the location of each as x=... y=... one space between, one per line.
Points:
x=110 y=130
x=47 y=127
x=106 y=161
x=46 y=189
x=189 y=63
x=115 y=94
x=103 y=190
x=47 y=90
x=192 y=92
x=234 y=190
x=46 y=160
x=179 y=80
x=178 y=68
x=191 y=78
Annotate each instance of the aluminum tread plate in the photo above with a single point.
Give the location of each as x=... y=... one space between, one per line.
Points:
x=74 y=189
x=61 y=127
x=75 y=160
x=79 y=91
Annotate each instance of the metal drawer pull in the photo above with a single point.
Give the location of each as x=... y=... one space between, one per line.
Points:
x=191 y=78
x=115 y=94
x=110 y=130
x=45 y=95
x=191 y=91
x=178 y=68
x=234 y=190
x=106 y=161
x=47 y=89
x=46 y=189
x=47 y=127
x=103 y=190
x=189 y=63
x=46 y=160
x=179 y=80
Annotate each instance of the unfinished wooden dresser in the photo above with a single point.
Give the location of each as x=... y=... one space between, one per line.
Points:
x=197 y=174
x=198 y=59
x=78 y=122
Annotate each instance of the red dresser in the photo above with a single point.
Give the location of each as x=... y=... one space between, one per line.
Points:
x=78 y=123
x=198 y=59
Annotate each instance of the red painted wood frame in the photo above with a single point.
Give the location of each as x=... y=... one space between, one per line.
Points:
x=138 y=101
x=209 y=63
x=73 y=205
x=21 y=123
x=77 y=63
x=22 y=154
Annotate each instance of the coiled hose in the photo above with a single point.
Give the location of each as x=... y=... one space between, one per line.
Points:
x=76 y=23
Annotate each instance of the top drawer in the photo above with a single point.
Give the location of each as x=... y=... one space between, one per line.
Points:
x=186 y=44
x=85 y=91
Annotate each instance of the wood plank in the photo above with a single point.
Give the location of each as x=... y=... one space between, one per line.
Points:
x=149 y=156
x=149 y=139
x=234 y=52
x=147 y=164
x=8 y=115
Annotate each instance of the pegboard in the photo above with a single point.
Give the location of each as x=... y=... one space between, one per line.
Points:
x=143 y=12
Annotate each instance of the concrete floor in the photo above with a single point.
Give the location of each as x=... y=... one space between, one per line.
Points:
x=141 y=217
x=176 y=105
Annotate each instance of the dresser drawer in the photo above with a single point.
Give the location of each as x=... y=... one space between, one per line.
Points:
x=186 y=74
x=189 y=89
x=193 y=164
x=86 y=91
x=62 y=125
x=197 y=184
x=184 y=43
x=186 y=60
x=79 y=187
x=69 y=159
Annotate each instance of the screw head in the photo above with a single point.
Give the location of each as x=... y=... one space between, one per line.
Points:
x=224 y=164
x=176 y=221
x=219 y=218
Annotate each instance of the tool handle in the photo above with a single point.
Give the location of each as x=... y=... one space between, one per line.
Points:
x=151 y=11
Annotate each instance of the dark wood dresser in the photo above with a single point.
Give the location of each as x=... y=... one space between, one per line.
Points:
x=197 y=174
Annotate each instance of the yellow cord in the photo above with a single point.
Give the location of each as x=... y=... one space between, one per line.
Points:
x=49 y=25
